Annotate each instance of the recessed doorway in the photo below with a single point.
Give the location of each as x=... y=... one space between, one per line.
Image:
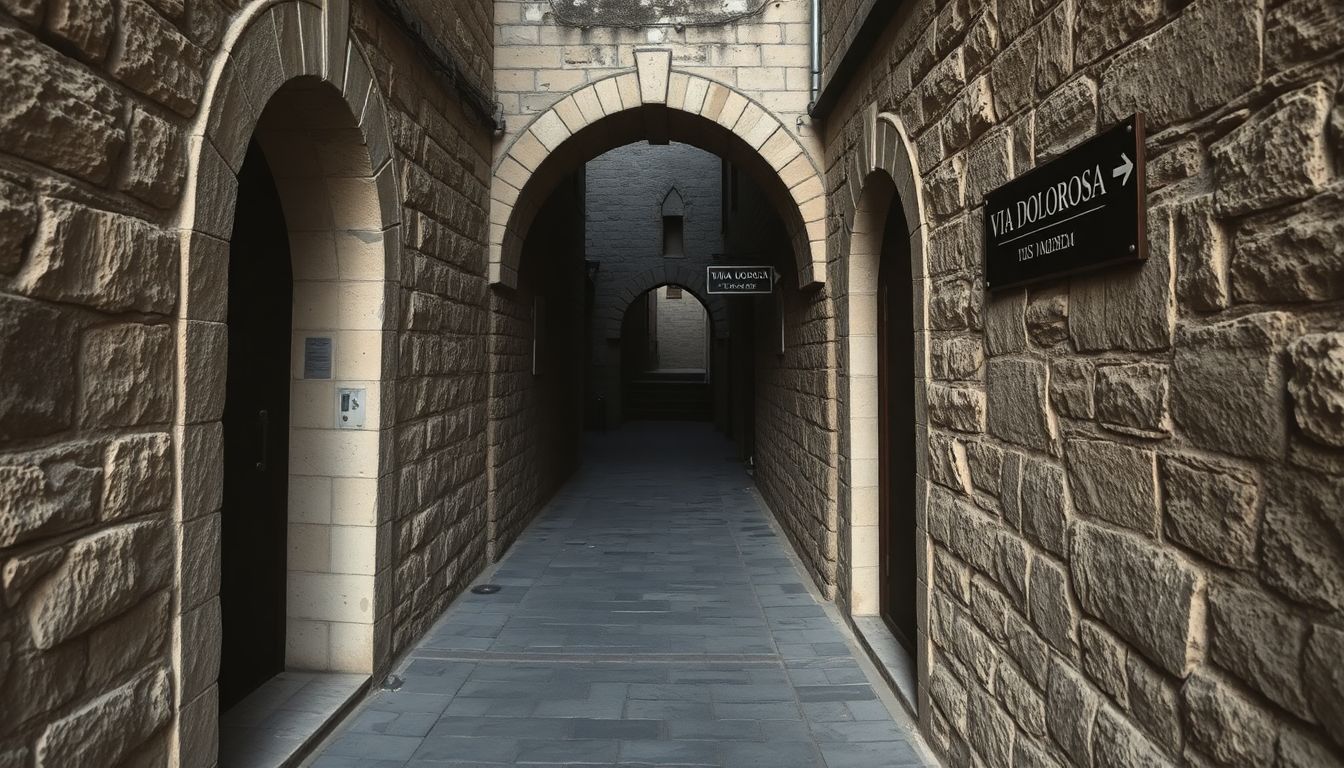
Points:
x=256 y=438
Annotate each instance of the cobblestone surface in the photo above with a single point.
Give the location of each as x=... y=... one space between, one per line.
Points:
x=650 y=616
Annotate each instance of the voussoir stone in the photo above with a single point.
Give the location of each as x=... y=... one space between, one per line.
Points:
x=1227 y=383
x=1317 y=387
x=103 y=574
x=1211 y=508
x=1278 y=156
x=55 y=112
x=1146 y=594
x=106 y=729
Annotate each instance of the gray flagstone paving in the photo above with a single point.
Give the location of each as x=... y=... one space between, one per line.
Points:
x=649 y=616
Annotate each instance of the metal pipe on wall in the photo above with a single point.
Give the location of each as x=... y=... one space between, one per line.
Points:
x=816 y=54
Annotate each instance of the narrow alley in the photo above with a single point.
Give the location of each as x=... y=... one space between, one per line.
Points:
x=651 y=615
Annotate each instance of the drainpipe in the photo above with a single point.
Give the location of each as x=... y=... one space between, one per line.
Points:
x=816 y=54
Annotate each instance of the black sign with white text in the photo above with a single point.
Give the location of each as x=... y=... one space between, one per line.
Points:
x=740 y=280
x=1081 y=211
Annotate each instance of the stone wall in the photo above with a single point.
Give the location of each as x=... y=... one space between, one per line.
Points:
x=96 y=135
x=538 y=61
x=537 y=368
x=682 y=338
x=1134 y=477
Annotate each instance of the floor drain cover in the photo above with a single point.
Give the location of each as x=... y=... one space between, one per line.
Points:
x=392 y=683
x=485 y=589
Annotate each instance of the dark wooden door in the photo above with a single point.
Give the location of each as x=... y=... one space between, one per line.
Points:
x=896 y=428
x=256 y=438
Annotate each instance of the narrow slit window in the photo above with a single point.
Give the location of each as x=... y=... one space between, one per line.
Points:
x=674 y=237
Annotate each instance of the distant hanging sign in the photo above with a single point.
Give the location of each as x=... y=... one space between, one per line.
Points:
x=1077 y=213
x=740 y=280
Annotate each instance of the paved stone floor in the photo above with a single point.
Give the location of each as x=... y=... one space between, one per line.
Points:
x=650 y=616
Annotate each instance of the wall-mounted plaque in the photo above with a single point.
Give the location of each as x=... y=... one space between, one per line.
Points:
x=740 y=280
x=317 y=357
x=1077 y=213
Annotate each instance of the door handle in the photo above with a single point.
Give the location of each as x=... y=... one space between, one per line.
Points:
x=264 y=422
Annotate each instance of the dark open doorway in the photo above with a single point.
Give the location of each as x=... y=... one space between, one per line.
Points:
x=896 y=423
x=256 y=438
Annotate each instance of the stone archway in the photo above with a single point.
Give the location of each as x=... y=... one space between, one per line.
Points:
x=297 y=63
x=657 y=103
x=681 y=276
x=883 y=176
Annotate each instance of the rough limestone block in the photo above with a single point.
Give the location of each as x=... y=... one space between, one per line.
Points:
x=1071 y=387
x=1301 y=30
x=18 y=219
x=128 y=376
x=138 y=476
x=37 y=354
x=100 y=259
x=1019 y=410
x=1071 y=709
x=1104 y=660
x=1225 y=725
x=1048 y=315
x=1146 y=594
x=1104 y=26
x=1291 y=255
x=1325 y=678
x=106 y=729
x=153 y=58
x=1115 y=483
x=1133 y=398
x=1023 y=702
x=1202 y=255
x=989 y=729
x=85 y=25
x=1317 y=387
x=131 y=641
x=55 y=112
x=1260 y=642
x=1154 y=702
x=1205 y=58
x=1005 y=323
x=1117 y=744
x=47 y=492
x=1045 y=506
x=1012 y=563
x=155 y=165
x=1131 y=308
x=1300 y=749
x=958 y=408
x=1280 y=155
x=1066 y=118
x=1227 y=383
x=103 y=574
x=1299 y=554
x=1051 y=607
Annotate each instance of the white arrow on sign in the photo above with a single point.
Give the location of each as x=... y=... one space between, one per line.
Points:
x=1124 y=169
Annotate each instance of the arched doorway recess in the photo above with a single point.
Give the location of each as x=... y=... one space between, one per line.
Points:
x=883 y=371
x=291 y=82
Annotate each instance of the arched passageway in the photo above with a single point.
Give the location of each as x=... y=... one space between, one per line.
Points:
x=666 y=361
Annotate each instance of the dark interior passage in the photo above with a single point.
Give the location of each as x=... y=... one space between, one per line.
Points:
x=665 y=351
x=896 y=415
x=256 y=438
